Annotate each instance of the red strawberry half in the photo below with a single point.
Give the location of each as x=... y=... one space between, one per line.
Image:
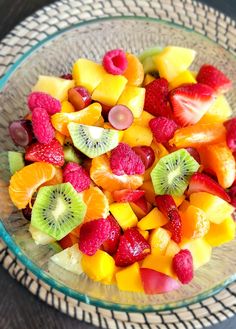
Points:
x=127 y=195
x=202 y=183
x=51 y=153
x=111 y=244
x=167 y=206
x=191 y=102
x=216 y=79
x=132 y=248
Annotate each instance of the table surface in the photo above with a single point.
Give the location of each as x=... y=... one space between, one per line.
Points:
x=18 y=308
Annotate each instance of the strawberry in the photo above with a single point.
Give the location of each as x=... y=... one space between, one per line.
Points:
x=156 y=98
x=132 y=248
x=213 y=77
x=202 y=183
x=191 y=102
x=163 y=129
x=143 y=204
x=111 y=244
x=93 y=234
x=127 y=195
x=167 y=206
x=51 y=153
x=183 y=266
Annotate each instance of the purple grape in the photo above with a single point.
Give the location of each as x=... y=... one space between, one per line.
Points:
x=120 y=117
x=79 y=97
x=146 y=154
x=21 y=132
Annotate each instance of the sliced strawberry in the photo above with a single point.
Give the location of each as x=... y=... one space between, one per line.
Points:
x=213 y=77
x=202 y=183
x=51 y=153
x=143 y=204
x=191 y=102
x=156 y=98
x=127 y=195
x=132 y=248
x=111 y=244
x=93 y=234
x=167 y=206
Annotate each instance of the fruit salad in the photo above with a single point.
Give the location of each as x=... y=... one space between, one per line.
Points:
x=129 y=164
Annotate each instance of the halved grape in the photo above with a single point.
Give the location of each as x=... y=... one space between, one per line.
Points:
x=21 y=132
x=146 y=154
x=79 y=97
x=120 y=117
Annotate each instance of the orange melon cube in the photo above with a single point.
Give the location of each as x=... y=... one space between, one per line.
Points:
x=183 y=78
x=159 y=263
x=153 y=220
x=129 y=279
x=133 y=97
x=221 y=233
x=159 y=239
x=124 y=214
x=137 y=135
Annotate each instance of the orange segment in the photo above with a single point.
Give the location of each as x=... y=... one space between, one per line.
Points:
x=67 y=107
x=87 y=116
x=25 y=182
x=97 y=204
x=102 y=175
x=199 y=134
x=134 y=72
x=60 y=137
x=57 y=178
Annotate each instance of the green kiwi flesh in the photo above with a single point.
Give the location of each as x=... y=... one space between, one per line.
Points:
x=57 y=210
x=172 y=173
x=146 y=58
x=16 y=161
x=70 y=154
x=93 y=141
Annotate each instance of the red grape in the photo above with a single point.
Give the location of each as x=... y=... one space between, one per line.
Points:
x=146 y=154
x=21 y=132
x=79 y=97
x=120 y=117
x=67 y=76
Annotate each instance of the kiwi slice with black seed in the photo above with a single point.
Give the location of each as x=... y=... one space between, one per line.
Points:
x=93 y=141
x=172 y=173
x=57 y=210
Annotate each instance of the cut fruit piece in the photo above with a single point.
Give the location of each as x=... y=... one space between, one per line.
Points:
x=133 y=97
x=87 y=116
x=16 y=161
x=58 y=210
x=152 y=220
x=148 y=79
x=215 y=208
x=120 y=117
x=185 y=77
x=109 y=89
x=221 y=233
x=57 y=178
x=102 y=175
x=194 y=223
x=39 y=237
x=137 y=135
x=79 y=97
x=115 y=62
x=70 y=154
x=21 y=132
x=67 y=107
x=173 y=60
x=69 y=259
x=129 y=279
x=159 y=263
x=198 y=135
x=54 y=86
x=97 y=204
x=172 y=173
x=146 y=154
x=134 y=72
x=141 y=207
x=149 y=52
x=25 y=182
x=159 y=239
x=172 y=249
x=143 y=119
x=183 y=266
x=93 y=141
x=87 y=73
x=149 y=191
x=219 y=111
x=68 y=241
x=124 y=214
x=127 y=195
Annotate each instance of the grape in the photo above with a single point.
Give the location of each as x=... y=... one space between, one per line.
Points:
x=21 y=132
x=79 y=97
x=146 y=154
x=67 y=76
x=120 y=117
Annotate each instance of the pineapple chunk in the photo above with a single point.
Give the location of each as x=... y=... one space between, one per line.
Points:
x=144 y=119
x=159 y=239
x=124 y=214
x=133 y=97
x=182 y=78
x=221 y=233
x=154 y=219
x=148 y=78
x=220 y=111
x=137 y=135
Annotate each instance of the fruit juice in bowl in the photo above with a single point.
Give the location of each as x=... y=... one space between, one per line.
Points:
x=127 y=170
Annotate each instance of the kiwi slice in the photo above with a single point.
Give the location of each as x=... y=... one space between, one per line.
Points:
x=70 y=154
x=16 y=161
x=93 y=141
x=57 y=210
x=172 y=173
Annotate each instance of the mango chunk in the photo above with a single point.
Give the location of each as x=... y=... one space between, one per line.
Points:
x=154 y=219
x=143 y=119
x=160 y=263
x=67 y=107
x=221 y=233
x=219 y=111
x=137 y=135
x=148 y=79
x=129 y=279
x=178 y=199
x=124 y=214
x=149 y=191
x=133 y=97
x=183 y=78
x=145 y=234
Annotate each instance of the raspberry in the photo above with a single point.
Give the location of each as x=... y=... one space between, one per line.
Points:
x=111 y=244
x=77 y=176
x=45 y=101
x=183 y=266
x=93 y=234
x=163 y=129
x=67 y=76
x=115 y=61
x=124 y=160
x=42 y=127
x=231 y=134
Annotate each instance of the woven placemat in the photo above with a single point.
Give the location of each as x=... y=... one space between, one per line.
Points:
x=63 y=14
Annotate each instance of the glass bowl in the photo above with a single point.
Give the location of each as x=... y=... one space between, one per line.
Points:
x=55 y=56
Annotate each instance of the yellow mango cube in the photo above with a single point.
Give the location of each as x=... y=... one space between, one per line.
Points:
x=124 y=214
x=100 y=266
x=87 y=73
x=67 y=107
x=159 y=263
x=178 y=199
x=183 y=78
x=129 y=279
x=154 y=219
x=221 y=233
x=172 y=249
x=159 y=239
x=149 y=191
x=54 y=86
x=133 y=97
x=144 y=119
x=219 y=111
x=215 y=208
x=148 y=78
x=137 y=135
x=109 y=89
x=145 y=234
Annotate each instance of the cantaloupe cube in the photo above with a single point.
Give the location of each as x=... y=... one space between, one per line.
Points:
x=144 y=119
x=221 y=233
x=129 y=279
x=154 y=219
x=100 y=266
x=148 y=78
x=149 y=191
x=137 y=135
x=133 y=97
x=183 y=78
x=220 y=111
x=159 y=239
x=173 y=60
x=124 y=214
x=215 y=208
x=159 y=263
x=87 y=73
x=109 y=89
x=54 y=86
x=172 y=249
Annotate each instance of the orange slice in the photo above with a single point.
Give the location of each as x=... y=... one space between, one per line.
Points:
x=97 y=204
x=57 y=178
x=134 y=72
x=25 y=182
x=87 y=116
x=102 y=175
